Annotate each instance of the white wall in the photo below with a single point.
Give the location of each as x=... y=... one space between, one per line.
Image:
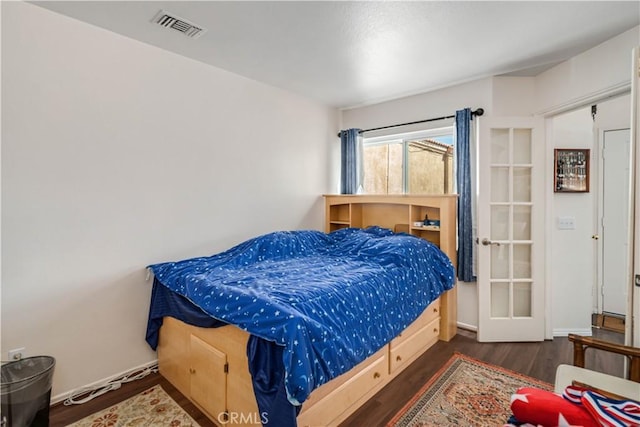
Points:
x=573 y=252
x=579 y=79
x=116 y=155
x=443 y=102
x=604 y=67
x=614 y=113
x=439 y=103
x=513 y=96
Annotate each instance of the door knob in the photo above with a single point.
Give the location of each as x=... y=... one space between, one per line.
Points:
x=487 y=242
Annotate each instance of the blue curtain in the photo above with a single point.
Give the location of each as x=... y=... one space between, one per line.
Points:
x=463 y=179
x=351 y=163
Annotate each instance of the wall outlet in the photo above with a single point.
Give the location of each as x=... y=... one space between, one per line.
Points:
x=17 y=354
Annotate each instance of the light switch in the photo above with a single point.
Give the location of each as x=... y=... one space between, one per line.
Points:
x=566 y=223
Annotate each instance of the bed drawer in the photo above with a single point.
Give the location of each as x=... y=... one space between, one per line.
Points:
x=407 y=350
x=428 y=315
x=328 y=411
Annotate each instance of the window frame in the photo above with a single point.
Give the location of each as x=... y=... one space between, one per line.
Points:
x=405 y=138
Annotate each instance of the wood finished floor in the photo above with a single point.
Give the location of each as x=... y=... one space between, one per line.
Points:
x=538 y=360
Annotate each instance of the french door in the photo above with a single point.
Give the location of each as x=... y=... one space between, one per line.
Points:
x=511 y=213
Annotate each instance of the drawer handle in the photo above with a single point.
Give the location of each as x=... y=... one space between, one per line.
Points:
x=376 y=375
x=191 y=370
x=435 y=310
x=398 y=358
x=435 y=330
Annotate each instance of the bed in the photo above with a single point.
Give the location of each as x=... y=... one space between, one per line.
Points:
x=294 y=318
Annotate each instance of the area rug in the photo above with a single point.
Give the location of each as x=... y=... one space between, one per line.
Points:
x=465 y=392
x=152 y=407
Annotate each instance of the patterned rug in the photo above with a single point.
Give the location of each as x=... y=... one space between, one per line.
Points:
x=464 y=392
x=153 y=407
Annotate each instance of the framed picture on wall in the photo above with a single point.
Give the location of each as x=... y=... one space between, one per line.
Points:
x=571 y=170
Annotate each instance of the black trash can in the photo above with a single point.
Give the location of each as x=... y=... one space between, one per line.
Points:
x=26 y=391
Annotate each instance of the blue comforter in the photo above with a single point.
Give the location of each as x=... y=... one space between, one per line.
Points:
x=329 y=300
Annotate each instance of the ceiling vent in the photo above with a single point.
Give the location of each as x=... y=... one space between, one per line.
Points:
x=174 y=22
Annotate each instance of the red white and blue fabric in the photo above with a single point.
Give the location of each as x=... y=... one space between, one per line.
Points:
x=608 y=412
x=544 y=408
x=576 y=407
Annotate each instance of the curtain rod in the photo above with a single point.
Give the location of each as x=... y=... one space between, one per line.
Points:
x=477 y=112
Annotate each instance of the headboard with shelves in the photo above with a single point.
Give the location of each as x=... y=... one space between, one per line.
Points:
x=401 y=213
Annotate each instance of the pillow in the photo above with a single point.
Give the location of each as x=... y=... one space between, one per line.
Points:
x=545 y=408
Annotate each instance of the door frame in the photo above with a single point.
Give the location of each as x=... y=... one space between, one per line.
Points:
x=549 y=116
x=599 y=286
x=632 y=331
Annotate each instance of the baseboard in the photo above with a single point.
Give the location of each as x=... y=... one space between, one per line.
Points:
x=62 y=396
x=562 y=332
x=467 y=327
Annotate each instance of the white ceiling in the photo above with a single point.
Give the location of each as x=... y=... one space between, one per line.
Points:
x=346 y=53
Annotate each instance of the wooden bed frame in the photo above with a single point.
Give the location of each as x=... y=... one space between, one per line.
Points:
x=209 y=365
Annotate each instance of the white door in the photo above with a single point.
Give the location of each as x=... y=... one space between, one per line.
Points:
x=615 y=220
x=511 y=212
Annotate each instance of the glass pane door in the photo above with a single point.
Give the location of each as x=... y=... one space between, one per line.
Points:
x=511 y=305
x=510 y=234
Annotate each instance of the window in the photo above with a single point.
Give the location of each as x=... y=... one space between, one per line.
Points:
x=411 y=163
